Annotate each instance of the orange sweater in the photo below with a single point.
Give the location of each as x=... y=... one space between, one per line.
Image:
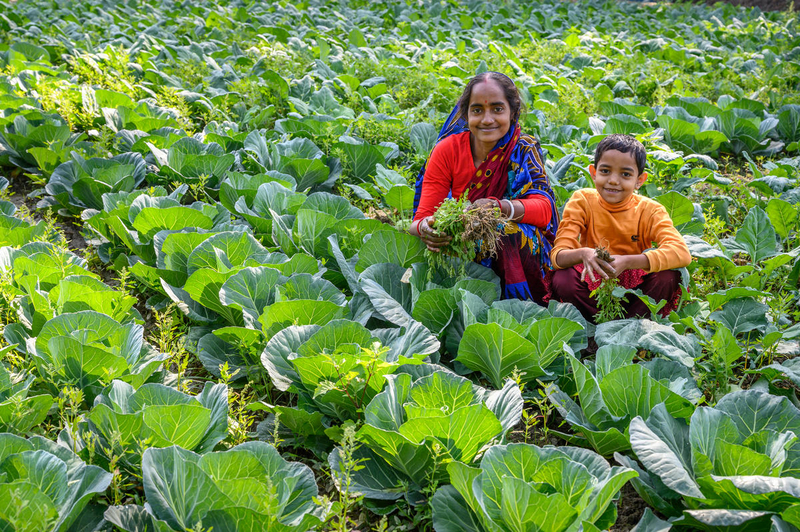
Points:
x=628 y=228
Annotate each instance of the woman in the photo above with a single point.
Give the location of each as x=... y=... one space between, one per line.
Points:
x=481 y=151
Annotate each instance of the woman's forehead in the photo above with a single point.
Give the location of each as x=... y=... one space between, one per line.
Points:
x=487 y=92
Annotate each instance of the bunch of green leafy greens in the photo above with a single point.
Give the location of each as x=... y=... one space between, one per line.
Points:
x=472 y=230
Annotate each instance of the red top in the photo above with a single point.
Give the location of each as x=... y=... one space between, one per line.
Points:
x=450 y=168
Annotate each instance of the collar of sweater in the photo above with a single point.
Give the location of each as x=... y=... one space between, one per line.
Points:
x=616 y=207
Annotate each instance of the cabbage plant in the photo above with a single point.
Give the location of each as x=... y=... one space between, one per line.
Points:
x=17 y=232
x=125 y=420
x=81 y=183
x=337 y=369
x=248 y=488
x=735 y=466
x=88 y=349
x=44 y=487
x=536 y=489
x=425 y=418
x=613 y=390
x=130 y=222
x=49 y=281
x=20 y=410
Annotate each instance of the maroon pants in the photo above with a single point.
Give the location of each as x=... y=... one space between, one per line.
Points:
x=568 y=287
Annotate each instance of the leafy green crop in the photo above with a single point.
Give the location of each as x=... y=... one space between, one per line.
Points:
x=613 y=390
x=88 y=349
x=741 y=454
x=247 y=488
x=46 y=487
x=20 y=412
x=124 y=420
x=422 y=420
x=524 y=487
x=252 y=166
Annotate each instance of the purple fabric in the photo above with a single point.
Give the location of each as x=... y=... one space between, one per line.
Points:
x=568 y=287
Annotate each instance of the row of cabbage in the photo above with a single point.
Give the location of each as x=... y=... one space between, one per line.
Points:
x=346 y=316
x=326 y=334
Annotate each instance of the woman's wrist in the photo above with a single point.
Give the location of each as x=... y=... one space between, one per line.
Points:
x=506 y=208
x=414 y=227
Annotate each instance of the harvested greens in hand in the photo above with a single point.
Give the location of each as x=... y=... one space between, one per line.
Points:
x=474 y=230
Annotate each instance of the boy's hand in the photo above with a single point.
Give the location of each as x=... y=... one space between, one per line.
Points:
x=620 y=264
x=630 y=262
x=592 y=265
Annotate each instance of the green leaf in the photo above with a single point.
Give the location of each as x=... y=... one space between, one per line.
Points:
x=783 y=216
x=682 y=212
x=391 y=246
x=299 y=312
x=451 y=512
x=250 y=290
x=151 y=220
x=133 y=518
x=742 y=315
x=725 y=345
x=400 y=197
x=423 y=137
x=463 y=433
x=661 y=339
x=717 y=299
x=757 y=235
x=435 y=309
x=662 y=445
x=496 y=352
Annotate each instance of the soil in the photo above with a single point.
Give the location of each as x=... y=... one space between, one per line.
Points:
x=630 y=508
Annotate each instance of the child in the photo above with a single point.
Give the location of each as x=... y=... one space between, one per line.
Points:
x=626 y=224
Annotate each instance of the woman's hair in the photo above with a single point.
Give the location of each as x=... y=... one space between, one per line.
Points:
x=509 y=90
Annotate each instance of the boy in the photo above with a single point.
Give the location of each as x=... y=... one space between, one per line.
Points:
x=626 y=224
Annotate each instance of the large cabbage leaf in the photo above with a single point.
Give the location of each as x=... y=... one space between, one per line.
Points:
x=43 y=486
x=423 y=417
x=525 y=487
x=613 y=390
x=247 y=488
x=740 y=456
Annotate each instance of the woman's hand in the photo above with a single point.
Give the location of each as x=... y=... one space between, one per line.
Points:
x=430 y=237
x=593 y=265
x=486 y=203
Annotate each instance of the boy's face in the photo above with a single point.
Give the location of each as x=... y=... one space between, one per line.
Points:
x=616 y=176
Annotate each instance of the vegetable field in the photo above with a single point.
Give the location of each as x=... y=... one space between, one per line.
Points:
x=214 y=319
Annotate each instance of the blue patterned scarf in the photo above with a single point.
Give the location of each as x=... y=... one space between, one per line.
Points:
x=514 y=169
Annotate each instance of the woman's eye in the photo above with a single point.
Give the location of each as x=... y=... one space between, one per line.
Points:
x=498 y=109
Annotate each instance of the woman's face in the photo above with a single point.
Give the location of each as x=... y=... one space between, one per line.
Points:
x=488 y=115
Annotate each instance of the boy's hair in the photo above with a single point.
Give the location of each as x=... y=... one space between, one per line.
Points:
x=510 y=91
x=624 y=144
